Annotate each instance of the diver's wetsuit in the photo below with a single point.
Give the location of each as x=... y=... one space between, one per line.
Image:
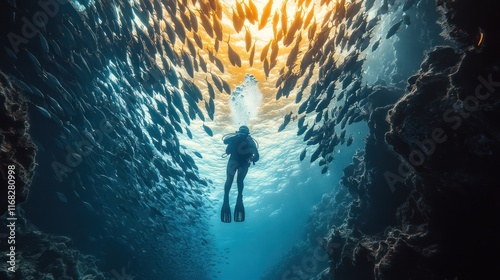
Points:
x=243 y=151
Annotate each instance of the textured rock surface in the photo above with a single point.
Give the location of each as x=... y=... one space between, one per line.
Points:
x=44 y=256
x=16 y=147
x=421 y=201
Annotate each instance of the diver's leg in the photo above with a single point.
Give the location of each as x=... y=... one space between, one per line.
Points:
x=239 y=209
x=232 y=166
x=225 y=214
x=242 y=172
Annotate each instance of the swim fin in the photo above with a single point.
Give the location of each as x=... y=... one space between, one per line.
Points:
x=239 y=210
x=225 y=213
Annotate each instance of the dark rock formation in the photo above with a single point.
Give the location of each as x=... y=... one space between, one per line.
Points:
x=16 y=146
x=422 y=198
x=44 y=256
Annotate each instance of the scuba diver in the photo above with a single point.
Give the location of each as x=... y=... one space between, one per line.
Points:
x=242 y=149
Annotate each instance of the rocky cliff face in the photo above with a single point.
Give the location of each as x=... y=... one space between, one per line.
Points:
x=16 y=146
x=421 y=200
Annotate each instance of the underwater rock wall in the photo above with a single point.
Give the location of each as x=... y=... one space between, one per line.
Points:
x=421 y=201
x=16 y=146
x=45 y=256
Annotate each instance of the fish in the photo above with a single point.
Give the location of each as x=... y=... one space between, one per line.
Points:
x=205 y=22
x=266 y=67
x=309 y=133
x=208 y=130
x=210 y=107
x=216 y=45
x=327 y=17
x=56 y=48
x=265 y=14
x=252 y=54
x=179 y=29
x=191 y=47
x=55 y=103
x=276 y=19
x=88 y=206
x=43 y=42
x=324 y=170
x=62 y=197
x=301 y=130
x=284 y=19
x=274 y=52
x=322 y=37
x=210 y=56
x=302 y=154
x=308 y=18
x=217 y=26
x=285 y=121
x=188 y=64
x=312 y=31
x=264 y=51
x=204 y=6
x=323 y=104
x=217 y=82
x=37 y=92
x=33 y=58
x=307 y=59
x=44 y=111
x=349 y=140
x=248 y=39
x=239 y=9
x=234 y=57
x=219 y=64
x=290 y=83
x=23 y=86
x=186 y=21
x=188 y=132
x=198 y=40
x=393 y=29
x=211 y=91
x=292 y=56
x=253 y=9
x=301 y=121
x=375 y=45
x=237 y=22
x=197 y=154
x=226 y=86
x=302 y=107
x=316 y=154
x=170 y=33
x=249 y=14
x=194 y=21
x=329 y=47
x=203 y=63
x=353 y=9
x=340 y=34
